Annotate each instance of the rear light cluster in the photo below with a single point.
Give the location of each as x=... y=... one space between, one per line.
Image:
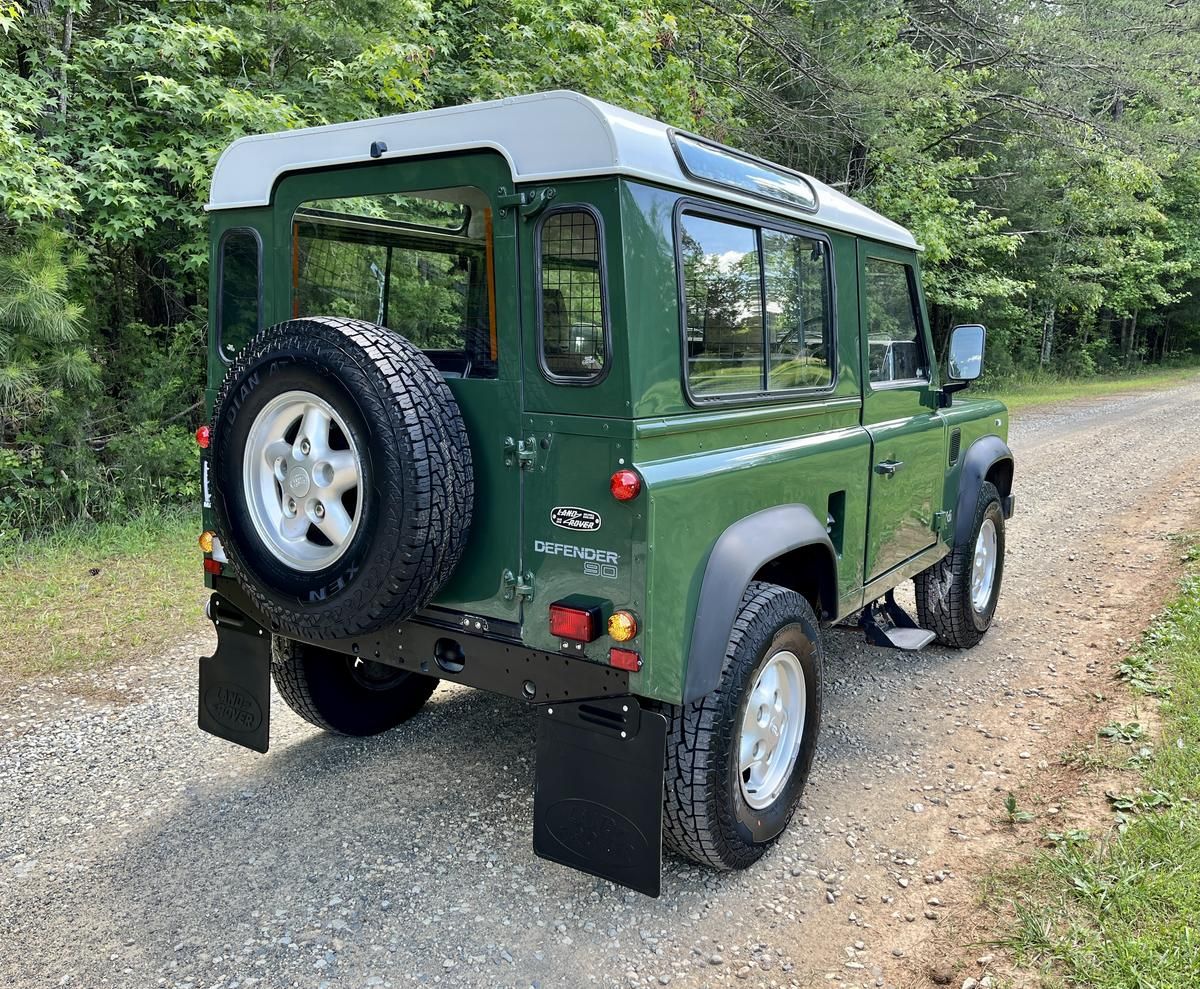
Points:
x=203 y=437
x=214 y=554
x=582 y=623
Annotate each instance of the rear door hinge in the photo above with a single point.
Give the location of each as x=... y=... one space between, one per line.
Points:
x=520 y=453
x=504 y=198
x=941 y=522
x=518 y=586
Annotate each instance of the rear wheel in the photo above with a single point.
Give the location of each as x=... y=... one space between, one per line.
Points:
x=345 y=694
x=957 y=596
x=738 y=758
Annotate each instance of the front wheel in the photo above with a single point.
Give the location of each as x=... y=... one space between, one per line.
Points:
x=738 y=758
x=957 y=596
x=345 y=694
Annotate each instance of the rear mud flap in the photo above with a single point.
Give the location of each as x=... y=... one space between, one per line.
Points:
x=235 y=681
x=599 y=794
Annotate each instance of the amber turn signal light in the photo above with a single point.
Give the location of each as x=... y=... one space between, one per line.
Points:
x=622 y=626
x=206 y=541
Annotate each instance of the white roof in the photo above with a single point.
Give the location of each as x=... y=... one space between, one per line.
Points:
x=544 y=137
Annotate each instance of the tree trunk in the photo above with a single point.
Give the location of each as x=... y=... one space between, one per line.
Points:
x=68 y=32
x=1047 y=336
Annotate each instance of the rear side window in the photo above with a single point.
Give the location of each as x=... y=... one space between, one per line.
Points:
x=574 y=321
x=239 y=305
x=758 y=316
x=417 y=264
x=895 y=343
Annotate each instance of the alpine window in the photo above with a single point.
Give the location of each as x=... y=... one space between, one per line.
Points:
x=757 y=308
x=239 y=305
x=723 y=166
x=571 y=303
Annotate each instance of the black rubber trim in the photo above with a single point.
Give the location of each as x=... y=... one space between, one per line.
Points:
x=981 y=456
x=740 y=552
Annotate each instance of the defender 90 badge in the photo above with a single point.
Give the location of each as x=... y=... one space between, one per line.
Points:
x=575 y=519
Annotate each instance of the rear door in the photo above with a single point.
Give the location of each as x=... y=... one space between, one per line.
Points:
x=421 y=247
x=899 y=409
x=579 y=541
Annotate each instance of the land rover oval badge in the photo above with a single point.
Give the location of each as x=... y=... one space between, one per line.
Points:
x=575 y=519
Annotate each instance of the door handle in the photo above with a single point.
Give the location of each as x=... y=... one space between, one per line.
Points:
x=888 y=467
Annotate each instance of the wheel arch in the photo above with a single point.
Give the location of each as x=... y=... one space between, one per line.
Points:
x=785 y=545
x=987 y=459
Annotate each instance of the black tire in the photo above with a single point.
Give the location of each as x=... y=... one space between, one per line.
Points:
x=944 y=590
x=345 y=694
x=706 y=817
x=416 y=489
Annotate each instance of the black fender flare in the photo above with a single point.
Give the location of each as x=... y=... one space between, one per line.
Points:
x=981 y=457
x=739 y=553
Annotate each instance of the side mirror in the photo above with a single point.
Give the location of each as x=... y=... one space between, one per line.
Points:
x=964 y=360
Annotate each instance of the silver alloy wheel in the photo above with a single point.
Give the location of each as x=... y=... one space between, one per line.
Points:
x=295 y=480
x=772 y=729
x=983 y=569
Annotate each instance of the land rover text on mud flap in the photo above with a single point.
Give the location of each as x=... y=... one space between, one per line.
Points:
x=547 y=398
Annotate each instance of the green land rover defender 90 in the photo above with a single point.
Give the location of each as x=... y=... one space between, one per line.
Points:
x=547 y=398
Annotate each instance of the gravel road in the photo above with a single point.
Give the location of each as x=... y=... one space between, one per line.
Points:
x=136 y=851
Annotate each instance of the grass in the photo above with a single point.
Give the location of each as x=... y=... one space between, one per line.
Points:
x=1022 y=391
x=90 y=595
x=1124 y=910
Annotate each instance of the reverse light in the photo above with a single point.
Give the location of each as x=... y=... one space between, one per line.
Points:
x=579 y=624
x=622 y=626
x=203 y=437
x=625 y=484
x=206 y=540
x=624 y=659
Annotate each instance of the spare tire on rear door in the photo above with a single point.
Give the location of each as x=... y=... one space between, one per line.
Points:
x=342 y=476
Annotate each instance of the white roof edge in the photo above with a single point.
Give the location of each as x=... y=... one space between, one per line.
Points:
x=590 y=138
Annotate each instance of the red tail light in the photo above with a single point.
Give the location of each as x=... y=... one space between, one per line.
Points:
x=212 y=566
x=624 y=659
x=579 y=624
x=203 y=437
x=625 y=484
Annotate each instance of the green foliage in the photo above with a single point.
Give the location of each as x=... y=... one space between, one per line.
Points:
x=1045 y=155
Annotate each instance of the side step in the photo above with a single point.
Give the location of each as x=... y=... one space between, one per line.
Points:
x=888 y=625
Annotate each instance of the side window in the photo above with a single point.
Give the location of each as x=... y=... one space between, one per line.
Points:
x=758 y=310
x=895 y=343
x=722 y=290
x=574 y=337
x=240 y=301
x=417 y=264
x=798 y=326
